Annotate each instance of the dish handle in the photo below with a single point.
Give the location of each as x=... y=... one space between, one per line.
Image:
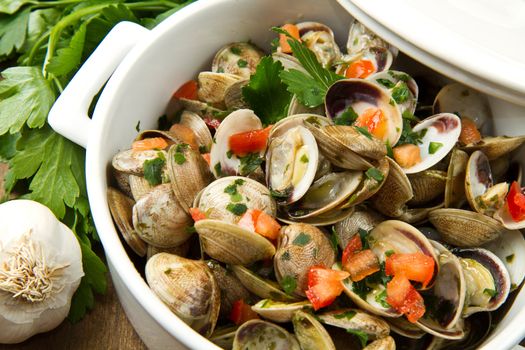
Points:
x=69 y=114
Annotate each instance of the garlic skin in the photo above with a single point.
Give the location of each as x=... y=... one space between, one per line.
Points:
x=40 y=270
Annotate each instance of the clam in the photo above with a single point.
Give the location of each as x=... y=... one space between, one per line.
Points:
x=222 y=161
x=444 y=302
x=465 y=228
x=277 y=311
x=329 y=218
x=285 y=124
x=121 y=208
x=465 y=102
x=187 y=287
x=402 y=326
x=180 y=250
x=362 y=218
x=213 y=86
x=440 y=134
x=291 y=163
x=233 y=98
x=132 y=162
x=372 y=104
x=396 y=191
x=258 y=334
x=476 y=329
x=310 y=332
x=497 y=146
x=263 y=288
x=362 y=42
x=239 y=59
x=325 y=195
x=346 y=147
x=504 y=216
x=202 y=109
x=487 y=280
x=200 y=129
x=427 y=185
x=231 y=289
x=319 y=38
x=401 y=86
x=387 y=343
x=139 y=186
x=288 y=62
x=300 y=246
x=455 y=183
x=223 y=337
x=189 y=173
x=159 y=219
x=356 y=320
x=510 y=248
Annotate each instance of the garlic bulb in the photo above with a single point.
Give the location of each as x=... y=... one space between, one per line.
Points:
x=40 y=270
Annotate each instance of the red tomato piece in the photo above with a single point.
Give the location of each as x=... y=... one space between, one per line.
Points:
x=516 y=202
x=247 y=220
x=354 y=245
x=417 y=267
x=362 y=264
x=324 y=285
x=149 y=143
x=404 y=298
x=360 y=69
x=283 y=39
x=267 y=226
x=196 y=214
x=375 y=121
x=249 y=141
x=242 y=312
x=187 y=90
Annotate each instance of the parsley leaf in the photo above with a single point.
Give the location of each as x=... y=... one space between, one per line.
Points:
x=11 y=6
x=237 y=208
x=249 y=163
x=348 y=315
x=374 y=173
x=153 y=170
x=25 y=97
x=381 y=299
x=433 y=147
x=13 y=31
x=265 y=93
x=302 y=239
x=362 y=336
x=490 y=292
x=68 y=58
x=400 y=92
x=386 y=83
x=348 y=117
x=363 y=131
x=289 y=284
x=308 y=91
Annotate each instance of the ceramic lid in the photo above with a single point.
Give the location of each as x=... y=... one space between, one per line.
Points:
x=478 y=42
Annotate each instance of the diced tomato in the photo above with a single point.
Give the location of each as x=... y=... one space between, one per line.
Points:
x=187 y=90
x=324 y=285
x=375 y=121
x=149 y=143
x=404 y=298
x=360 y=69
x=212 y=122
x=354 y=245
x=260 y=222
x=207 y=157
x=417 y=267
x=242 y=312
x=516 y=202
x=185 y=134
x=407 y=155
x=196 y=214
x=249 y=141
x=469 y=132
x=362 y=264
x=283 y=39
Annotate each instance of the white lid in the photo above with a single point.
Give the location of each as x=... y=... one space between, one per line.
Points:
x=478 y=42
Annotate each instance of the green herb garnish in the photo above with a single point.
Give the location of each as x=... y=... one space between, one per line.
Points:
x=433 y=147
x=374 y=173
x=389 y=253
x=302 y=239
x=386 y=83
x=362 y=336
x=363 y=131
x=236 y=50
x=229 y=154
x=179 y=158
x=348 y=315
x=249 y=163
x=304 y=158
x=381 y=299
x=237 y=208
x=242 y=63
x=490 y=292
x=218 y=169
x=400 y=92
x=289 y=284
x=153 y=171
x=348 y=117
x=203 y=149
x=363 y=234
x=509 y=258
x=334 y=241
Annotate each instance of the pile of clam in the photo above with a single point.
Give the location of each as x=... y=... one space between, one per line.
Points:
x=180 y=204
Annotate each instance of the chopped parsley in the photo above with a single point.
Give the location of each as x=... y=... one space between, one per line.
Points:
x=400 y=93
x=153 y=171
x=137 y=127
x=363 y=131
x=348 y=315
x=389 y=252
x=289 y=284
x=490 y=292
x=218 y=169
x=302 y=239
x=190 y=229
x=236 y=50
x=334 y=241
x=229 y=154
x=237 y=208
x=279 y=195
x=231 y=189
x=407 y=135
x=179 y=158
x=509 y=258
x=304 y=158
x=363 y=234
x=433 y=147
x=348 y=117
x=274 y=44
x=249 y=163
x=389 y=150
x=386 y=83
x=374 y=173
x=362 y=336
x=203 y=149
x=399 y=76
x=381 y=299
x=242 y=63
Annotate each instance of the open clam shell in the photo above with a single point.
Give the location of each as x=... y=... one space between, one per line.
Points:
x=259 y=334
x=222 y=162
x=401 y=86
x=362 y=218
x=326 y=193
x=362 y=96
x=239 y=59
x=455 y=183
x=297 y=107
x=187 y=287
x=288 y=62
x=487 y=280
x=132 y=162
x=278 y=311
x=291 y=163
x=294 y=120
x=402 y=326
x=213 y=86
x=396 y=191
x=233 y=98
x=121 y=208
x=374 y=327
x=223 y=336
x=361 y=39
x=200 y=129
x=319 y=38
x=310 y=332
x=301 y=246
x=441 y=132
x=427 y=186
x=464 y=228
x=263 y=288
x=497 y=146
x=328 y=218
x=386 y=343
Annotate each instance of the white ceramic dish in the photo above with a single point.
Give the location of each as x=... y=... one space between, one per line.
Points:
x=148 y=66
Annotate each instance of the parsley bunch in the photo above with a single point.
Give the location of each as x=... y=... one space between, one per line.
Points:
x=43 y=43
